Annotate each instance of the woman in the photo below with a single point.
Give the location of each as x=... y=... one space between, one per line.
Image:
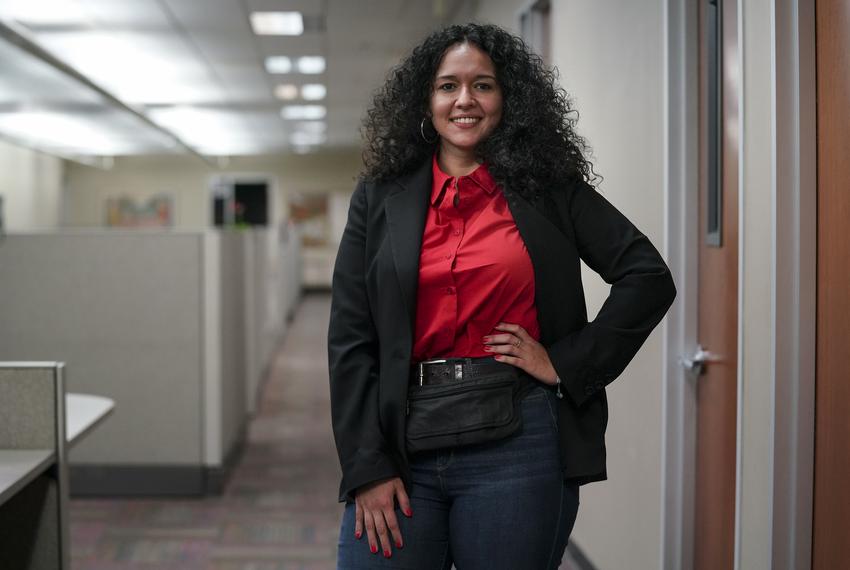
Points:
x=459 y=266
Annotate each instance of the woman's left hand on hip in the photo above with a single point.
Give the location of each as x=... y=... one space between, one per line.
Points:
x=515 y=346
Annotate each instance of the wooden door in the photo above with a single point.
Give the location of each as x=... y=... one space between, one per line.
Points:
x=831 y=524
x=714 y=525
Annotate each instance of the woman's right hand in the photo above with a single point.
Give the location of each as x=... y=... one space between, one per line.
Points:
x=375 y=509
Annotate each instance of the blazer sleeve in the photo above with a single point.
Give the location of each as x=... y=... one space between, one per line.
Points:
x=642 y=291
x=353 y=362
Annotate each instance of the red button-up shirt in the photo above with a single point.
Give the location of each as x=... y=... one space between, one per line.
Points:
x=474 y=269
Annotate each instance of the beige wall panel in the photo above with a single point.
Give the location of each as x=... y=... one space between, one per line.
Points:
x=756 y=434
x=610 y=57
x=500 y=12
x=187 y=180
x=31 y=187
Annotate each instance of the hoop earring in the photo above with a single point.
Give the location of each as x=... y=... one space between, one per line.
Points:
x=422 y=132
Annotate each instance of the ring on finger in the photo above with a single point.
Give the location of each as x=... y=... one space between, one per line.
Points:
x=518 y=342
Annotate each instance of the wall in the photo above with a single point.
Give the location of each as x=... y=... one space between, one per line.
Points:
x=31 y=187
x=500 y=12
x=123 y=311
x=618 y=92
x=162 y=323
x=187 y=178
x=757 y=376
x=232 y=341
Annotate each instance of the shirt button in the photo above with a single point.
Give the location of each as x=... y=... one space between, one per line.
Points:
x=449 y=256
x=457 y=232
x=450 y=290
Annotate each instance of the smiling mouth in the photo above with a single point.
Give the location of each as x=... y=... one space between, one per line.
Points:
x=465 y=120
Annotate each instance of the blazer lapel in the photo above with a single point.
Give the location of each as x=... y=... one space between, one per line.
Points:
x=406 y=210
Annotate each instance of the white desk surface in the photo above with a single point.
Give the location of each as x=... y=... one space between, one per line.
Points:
x=20 y=466
x=83 y=412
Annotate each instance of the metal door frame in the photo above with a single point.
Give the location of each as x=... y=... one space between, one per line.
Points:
x=793 y=279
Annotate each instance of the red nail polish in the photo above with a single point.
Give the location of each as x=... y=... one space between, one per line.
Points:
x=373 y=548
x=387 y=554
x=408 y=512
x=488 y=348
x=358 y=534
x=398 y=544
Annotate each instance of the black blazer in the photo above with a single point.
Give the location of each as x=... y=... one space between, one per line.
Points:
x=373 y=307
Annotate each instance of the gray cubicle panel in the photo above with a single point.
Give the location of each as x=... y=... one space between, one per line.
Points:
x=123 y=310
x=176 y=327
x=232 y=343
x=33 y=474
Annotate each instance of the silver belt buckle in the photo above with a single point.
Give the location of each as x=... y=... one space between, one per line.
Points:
x=422 y=368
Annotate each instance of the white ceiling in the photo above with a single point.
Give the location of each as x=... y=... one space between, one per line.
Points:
x=155 y=55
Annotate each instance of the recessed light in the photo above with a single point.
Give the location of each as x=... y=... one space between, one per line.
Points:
x=278 y=64
x=303 y=112
x=311 y=126
x=286 y=92
x=311 y=64
x=277 y=23
x=313 y=91
x=305 y=139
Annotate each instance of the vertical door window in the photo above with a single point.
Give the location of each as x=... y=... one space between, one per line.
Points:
x=714 y=128
x=535 y=26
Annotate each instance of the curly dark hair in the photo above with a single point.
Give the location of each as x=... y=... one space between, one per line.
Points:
x=534 y=148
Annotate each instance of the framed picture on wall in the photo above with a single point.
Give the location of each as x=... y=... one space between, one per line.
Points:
x=310 y=213
x=126 y=212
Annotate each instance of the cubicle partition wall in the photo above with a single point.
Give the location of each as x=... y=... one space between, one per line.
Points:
x=173 y=326
x=233 y=357
x=292 y=267
x=33 y=475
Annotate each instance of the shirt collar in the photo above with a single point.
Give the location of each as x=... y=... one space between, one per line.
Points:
x=480 y=176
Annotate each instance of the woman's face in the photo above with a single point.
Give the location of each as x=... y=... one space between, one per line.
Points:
x=466 y=100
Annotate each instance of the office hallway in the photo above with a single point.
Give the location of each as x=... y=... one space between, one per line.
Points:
x=279 y=509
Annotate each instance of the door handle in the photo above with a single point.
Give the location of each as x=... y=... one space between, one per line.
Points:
x=696 y=363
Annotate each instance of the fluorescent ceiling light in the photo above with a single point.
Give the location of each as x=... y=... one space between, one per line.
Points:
x=43 y=12
x=209 y=131
x=62 y=132
x=277 y=23
x=314 y=91
x=286 y=92
x=311 y=64
x=304 y=139
x=278 y=64
x=141 y=68
x=311 y=127
x=304 y=112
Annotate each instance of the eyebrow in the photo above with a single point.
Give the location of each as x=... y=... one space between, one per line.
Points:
x=476 y=77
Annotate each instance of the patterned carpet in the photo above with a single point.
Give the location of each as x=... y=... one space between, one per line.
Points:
x=279 y=509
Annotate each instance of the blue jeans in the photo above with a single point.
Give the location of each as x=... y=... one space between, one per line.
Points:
x=499 y=505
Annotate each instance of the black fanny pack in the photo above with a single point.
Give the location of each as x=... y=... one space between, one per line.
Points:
x=475 y=409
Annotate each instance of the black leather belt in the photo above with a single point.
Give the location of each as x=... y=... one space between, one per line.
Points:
x=443 y=370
